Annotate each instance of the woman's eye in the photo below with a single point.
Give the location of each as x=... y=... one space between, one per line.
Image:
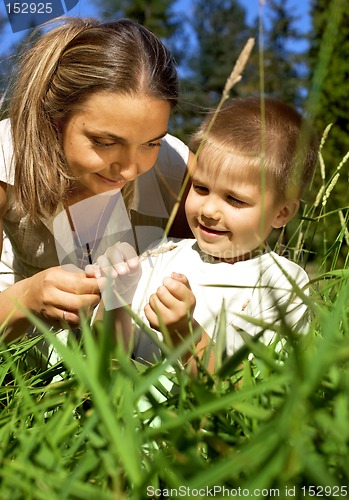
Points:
x=152 y=145
x=101 y=143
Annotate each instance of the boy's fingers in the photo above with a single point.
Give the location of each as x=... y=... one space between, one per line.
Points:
x=179 y=290
x=164 y=297
x=180 y=277
x=119 y=259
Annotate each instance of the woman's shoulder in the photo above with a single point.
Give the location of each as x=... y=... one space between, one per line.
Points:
x=175 y=144
x=6 y=152
x=173 y=152
x=5 y=126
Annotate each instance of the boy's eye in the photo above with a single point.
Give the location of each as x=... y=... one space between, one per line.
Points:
x=235 y=202
x=200 y=189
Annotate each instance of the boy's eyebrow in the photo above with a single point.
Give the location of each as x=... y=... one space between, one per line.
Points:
x=240 y=195
x=195 y=178
x=122 y=139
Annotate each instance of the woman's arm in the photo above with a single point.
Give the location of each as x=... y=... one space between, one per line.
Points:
x=53 y=295
x=3 y=200
x=12 y=320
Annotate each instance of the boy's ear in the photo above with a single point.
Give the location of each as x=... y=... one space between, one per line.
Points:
x=285 y=213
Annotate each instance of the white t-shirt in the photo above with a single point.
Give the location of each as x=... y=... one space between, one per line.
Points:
x=258 y=288
x=29 y=248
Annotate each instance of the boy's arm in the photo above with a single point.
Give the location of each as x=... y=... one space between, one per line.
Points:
x=174 y=302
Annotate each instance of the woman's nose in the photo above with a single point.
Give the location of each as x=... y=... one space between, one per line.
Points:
x=126 y=164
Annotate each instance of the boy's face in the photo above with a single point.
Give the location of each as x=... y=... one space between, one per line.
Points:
x=228 y=213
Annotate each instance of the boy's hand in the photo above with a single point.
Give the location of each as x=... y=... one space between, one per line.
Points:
x=174 y=303
x=117 y=271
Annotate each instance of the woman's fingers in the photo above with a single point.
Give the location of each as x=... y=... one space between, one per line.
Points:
x=57 y=292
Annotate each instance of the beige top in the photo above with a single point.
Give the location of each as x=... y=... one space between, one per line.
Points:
x=29 y=249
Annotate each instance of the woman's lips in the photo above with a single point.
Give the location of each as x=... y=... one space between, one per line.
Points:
x=111 y=182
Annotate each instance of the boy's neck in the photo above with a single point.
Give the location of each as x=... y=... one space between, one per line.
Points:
x=239 y=258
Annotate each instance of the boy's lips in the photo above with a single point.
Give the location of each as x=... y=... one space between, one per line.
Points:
x=208 y=231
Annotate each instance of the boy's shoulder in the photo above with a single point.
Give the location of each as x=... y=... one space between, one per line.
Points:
x=278 y=268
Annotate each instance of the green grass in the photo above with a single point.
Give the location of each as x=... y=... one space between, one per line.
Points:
x=99 y=429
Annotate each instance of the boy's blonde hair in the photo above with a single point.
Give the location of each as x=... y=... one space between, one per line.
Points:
x=64 y=68
x=267 y=134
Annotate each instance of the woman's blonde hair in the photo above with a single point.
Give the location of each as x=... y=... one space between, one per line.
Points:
x=268 y=134
x=65 y=67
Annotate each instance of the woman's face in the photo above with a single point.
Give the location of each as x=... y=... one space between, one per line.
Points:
x=113 y=139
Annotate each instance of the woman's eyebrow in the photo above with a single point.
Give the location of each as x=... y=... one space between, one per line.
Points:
x=122 y=139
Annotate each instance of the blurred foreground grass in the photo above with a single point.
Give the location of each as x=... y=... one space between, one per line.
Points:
x=94 y=426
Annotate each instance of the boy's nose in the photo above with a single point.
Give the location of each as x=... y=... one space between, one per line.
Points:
x=210 y=210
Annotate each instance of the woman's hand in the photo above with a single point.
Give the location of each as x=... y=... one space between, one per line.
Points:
x=173 y=305
x=118 y=272
x=58 y=294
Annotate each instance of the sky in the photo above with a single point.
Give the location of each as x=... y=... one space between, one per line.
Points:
x=300 y=8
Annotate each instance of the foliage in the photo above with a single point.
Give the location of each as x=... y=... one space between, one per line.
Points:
x=110 y=428
x=213 y=60
x=330 y=37
x=220 y=30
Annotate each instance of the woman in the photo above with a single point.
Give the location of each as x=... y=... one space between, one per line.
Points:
x=88 y=115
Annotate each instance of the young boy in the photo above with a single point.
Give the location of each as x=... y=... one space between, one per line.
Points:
x=251 y=170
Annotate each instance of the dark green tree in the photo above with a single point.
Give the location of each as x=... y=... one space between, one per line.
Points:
x=283 y=66
x=219 y=32
x=328 y=62
x=4 y=66
x=157 y=15
x=329 y=103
